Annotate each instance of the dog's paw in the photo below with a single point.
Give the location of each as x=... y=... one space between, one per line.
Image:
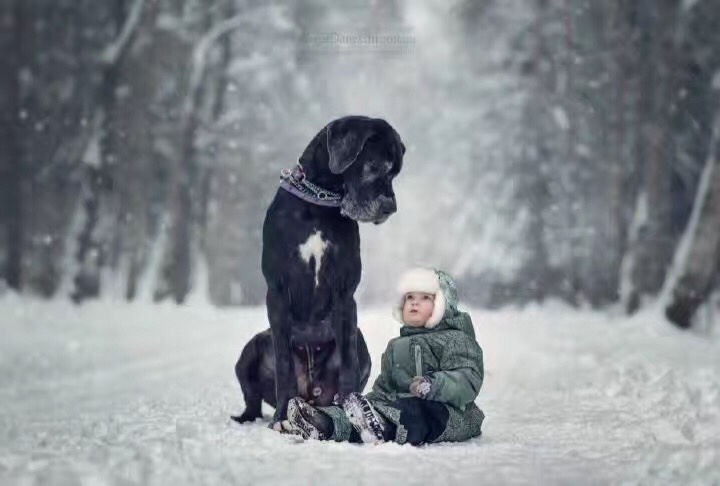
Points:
x=244 y=417
x=282 y=426
x=339 y=399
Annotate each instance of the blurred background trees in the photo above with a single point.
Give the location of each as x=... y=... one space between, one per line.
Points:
x=556 y=148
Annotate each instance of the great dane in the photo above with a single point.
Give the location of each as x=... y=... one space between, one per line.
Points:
x=311 y=243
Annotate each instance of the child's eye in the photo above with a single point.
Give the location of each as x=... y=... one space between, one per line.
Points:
x=426 y=297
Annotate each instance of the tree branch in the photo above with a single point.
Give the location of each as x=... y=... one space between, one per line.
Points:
x=114 y=51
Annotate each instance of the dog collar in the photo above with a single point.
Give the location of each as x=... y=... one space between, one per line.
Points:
x=295 y=182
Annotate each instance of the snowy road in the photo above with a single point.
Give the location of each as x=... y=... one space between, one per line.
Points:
x=119 y=395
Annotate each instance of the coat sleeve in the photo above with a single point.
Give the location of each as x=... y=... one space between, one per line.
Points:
x=382 y=388
x=462 y=374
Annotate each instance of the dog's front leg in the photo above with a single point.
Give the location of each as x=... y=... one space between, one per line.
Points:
x=346 y=335
x=285 y=382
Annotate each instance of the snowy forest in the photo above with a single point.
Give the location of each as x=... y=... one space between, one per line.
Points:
x=561 y=165
x=555 y=148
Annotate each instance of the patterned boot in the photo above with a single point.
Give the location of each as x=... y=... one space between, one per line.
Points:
x=364 y=418
x=309 y=422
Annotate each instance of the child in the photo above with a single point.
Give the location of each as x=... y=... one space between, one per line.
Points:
x=430 y=376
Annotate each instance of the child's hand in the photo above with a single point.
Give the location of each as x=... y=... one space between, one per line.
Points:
x=420 y=386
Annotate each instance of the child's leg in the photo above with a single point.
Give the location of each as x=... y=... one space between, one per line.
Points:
x=343 y=431
x=389 y=429
x=370 y=424
x=424 y=420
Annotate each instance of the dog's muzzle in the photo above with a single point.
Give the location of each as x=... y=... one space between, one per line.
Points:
x=388 y=205
x=386 y=208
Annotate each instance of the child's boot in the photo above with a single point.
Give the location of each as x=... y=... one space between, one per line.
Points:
x=364 y=418
x=309 y=422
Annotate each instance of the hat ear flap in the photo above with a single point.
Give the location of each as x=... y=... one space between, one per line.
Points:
x=438 y=311
x=397 y=311
x=345 y=140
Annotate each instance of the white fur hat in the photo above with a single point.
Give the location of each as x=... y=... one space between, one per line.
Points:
x=421 y=280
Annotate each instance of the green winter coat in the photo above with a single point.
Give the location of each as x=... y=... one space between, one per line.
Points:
x=452 y=359
x=448 y=354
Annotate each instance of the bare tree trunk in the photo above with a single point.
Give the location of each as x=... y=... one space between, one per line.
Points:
x=574 y=273
x=537 y=270
x=12 y=177
x=134 y=148
x=697 y=260
x=651 y=253
x=185 y=202
x=616 y=224
x=177 y=267
x=115 y=217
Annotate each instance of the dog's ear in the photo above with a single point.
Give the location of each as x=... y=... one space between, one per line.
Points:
x=345 y=140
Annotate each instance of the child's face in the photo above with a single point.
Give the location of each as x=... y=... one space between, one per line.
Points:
x=417 y=308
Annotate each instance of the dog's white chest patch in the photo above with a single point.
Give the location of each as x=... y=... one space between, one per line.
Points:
x=314 y=247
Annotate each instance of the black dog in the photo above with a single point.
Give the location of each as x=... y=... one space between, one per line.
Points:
x=311 y=242
x=315 y=372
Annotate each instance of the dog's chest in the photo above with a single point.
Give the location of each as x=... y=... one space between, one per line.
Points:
x=312 y=252
x=322 y=249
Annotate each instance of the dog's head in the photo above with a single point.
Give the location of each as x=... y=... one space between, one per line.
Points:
x=316 y=339
x=367 y=153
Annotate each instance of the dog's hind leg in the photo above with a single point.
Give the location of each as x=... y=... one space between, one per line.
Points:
x=247 y=372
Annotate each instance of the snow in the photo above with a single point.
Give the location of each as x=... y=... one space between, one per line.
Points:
x=151 y=271
x=561 y=118
x=112 y=53
x=111 y=393
x=93 y=153
x=688 y=5
x=627 y=266
x=70 y=249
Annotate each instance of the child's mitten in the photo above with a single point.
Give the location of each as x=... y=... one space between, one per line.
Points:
x=420 y=386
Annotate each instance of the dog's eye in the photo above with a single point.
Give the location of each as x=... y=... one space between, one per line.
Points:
x=370 y=170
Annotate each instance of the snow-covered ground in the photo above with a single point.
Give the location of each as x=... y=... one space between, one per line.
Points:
x=132 y=394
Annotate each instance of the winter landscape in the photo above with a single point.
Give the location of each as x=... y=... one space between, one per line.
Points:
x=561 y=165
x=116 y=394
